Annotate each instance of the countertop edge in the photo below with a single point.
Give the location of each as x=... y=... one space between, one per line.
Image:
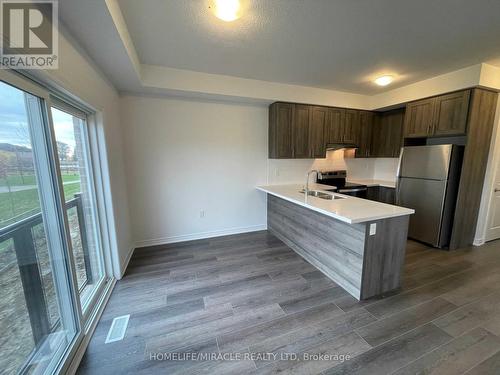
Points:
x=333 y=215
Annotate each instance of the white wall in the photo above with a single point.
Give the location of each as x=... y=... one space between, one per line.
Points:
x=188 y=156
x=79 y=76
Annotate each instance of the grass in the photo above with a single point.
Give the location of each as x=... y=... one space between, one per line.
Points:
x=29 y=179
x=23 y=203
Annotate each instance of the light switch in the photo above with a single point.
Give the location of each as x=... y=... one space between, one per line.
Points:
x=373 y=229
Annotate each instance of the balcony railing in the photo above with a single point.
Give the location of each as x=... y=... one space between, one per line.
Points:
x=21 y=233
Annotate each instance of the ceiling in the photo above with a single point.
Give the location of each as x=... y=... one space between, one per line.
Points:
x=332 y=44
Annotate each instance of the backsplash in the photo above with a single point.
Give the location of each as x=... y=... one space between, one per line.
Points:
x=284 y=171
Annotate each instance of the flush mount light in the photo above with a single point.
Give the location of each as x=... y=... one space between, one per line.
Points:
x=384 y=80
x=226 y=10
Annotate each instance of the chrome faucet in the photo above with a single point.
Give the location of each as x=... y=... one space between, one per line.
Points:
x=307 y=180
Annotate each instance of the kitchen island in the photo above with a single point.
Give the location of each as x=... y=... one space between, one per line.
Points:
x=359 y=244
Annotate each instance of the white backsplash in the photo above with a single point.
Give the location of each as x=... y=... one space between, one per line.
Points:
x=385 y=169
x=285 y=171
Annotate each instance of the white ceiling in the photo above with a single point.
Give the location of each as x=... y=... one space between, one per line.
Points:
x=334 y=44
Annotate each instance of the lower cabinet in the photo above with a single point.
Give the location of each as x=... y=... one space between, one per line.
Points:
x=381 y=194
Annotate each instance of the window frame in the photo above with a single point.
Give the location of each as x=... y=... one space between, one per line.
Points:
x=52 y=96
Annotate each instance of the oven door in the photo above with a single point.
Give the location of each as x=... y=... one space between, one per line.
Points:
x=354 y=192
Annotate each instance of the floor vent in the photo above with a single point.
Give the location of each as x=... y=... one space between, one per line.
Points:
x=117 y=329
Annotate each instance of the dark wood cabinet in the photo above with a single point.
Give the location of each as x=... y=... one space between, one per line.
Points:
x=387 y=195
x=388 y=134
x=381 y=194
x=300 y=131
x=335 y=125
x=366 y=125
x=419 y=118
x=280 y=130
x=351 y=126
x=450 y=116
x=317 y=129
x=444 y=115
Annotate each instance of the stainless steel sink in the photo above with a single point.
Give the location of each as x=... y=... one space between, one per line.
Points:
x=320 y=194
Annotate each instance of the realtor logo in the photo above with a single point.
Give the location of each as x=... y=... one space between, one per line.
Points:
x=29 y=34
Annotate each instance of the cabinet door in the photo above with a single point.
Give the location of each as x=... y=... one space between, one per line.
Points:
x=419 y=118
x=394 y=123
x=319 y=118
x=351 y=126
x=300 y=131
x=387 y=195
x=372 y=193
x=335 y=125
x=365 y=134
x=280 y=130
x=450 y=116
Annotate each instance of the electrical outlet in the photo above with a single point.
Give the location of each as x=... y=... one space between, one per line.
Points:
x=202 y=214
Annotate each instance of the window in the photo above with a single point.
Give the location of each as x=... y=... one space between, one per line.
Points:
x=72 y=143
x=52 y=264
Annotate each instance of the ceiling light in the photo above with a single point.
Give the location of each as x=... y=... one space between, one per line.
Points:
x=227 y=10
x=384 y=80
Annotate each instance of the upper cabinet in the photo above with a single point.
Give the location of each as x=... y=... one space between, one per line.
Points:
x=365 y=134
x=334 y=131
x=418 y=119
x=351 y=126
x=317 y=130
x=280 y=130
x=444 y=115
x=451 y=113
x=388 y=134
x=300 y=131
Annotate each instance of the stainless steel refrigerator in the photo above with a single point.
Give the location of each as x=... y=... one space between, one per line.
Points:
x=428 y=179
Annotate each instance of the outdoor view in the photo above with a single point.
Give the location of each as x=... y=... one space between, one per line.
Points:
x=29 y=302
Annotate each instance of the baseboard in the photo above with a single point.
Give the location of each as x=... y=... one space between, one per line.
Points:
x=478 y=242
x=199 y=235
x=125 y=263
x=80 y=351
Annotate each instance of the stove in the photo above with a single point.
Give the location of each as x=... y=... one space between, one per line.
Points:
x=338 y=179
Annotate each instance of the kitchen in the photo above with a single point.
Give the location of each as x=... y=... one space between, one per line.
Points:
x=273 y=187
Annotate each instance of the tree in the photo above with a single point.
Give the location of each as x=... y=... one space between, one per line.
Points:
x=23 y=135
x=5 y=160
x=63 y=150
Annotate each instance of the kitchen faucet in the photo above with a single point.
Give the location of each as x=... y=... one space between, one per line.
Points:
x=307 y=180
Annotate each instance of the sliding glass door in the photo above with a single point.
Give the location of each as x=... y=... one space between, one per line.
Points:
x=39 y=318
x=52 y=268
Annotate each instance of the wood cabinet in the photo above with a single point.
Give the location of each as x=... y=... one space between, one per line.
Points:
x=300 y=131
x=450 y=117
x=366 y=125
x=351 y=126
x=280 y=130
x=317 y=129
x=444 y=115
x=381 y=194
x=335 y=125
x=388 y=134
x=418 y=118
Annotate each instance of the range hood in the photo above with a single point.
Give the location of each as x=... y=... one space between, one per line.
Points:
x=340 y=146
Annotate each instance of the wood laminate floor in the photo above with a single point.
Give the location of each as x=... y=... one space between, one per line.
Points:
x=230 y=301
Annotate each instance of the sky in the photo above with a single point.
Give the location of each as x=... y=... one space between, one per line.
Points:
x=13 y=120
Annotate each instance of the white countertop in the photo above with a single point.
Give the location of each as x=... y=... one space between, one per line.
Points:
x=371 y=182
x=350 y=210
